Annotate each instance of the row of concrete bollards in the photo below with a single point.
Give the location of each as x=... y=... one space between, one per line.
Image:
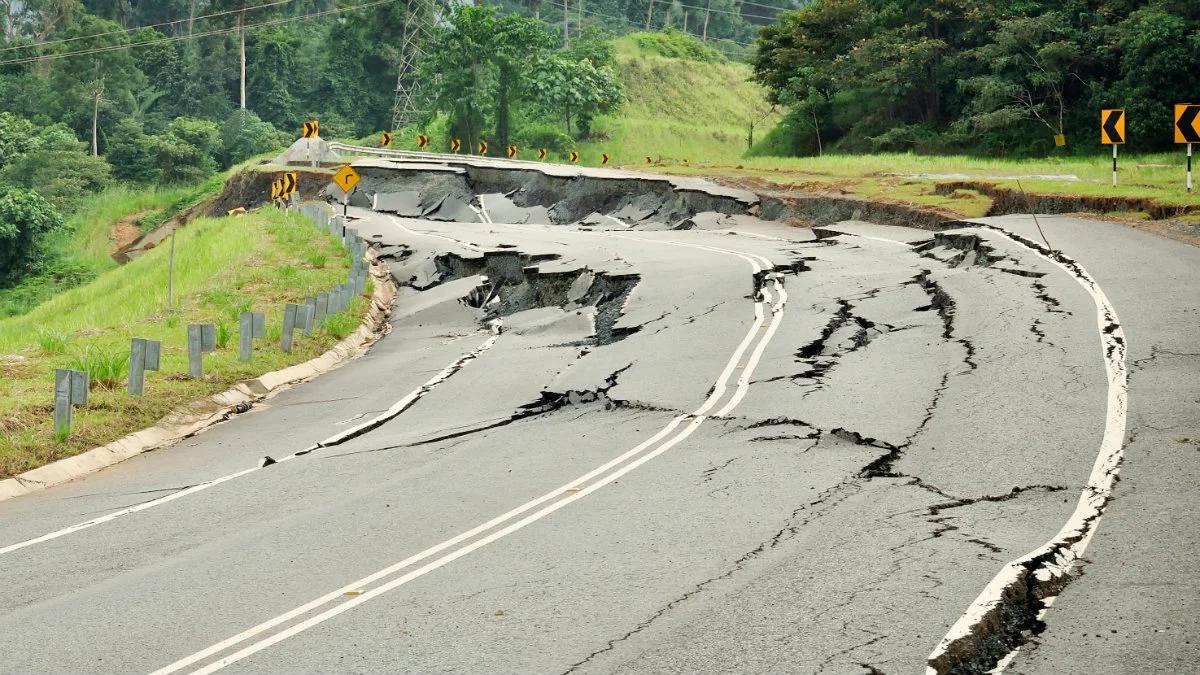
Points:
x=71 y=386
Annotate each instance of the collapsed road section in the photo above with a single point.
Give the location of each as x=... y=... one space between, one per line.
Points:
x=622 y=423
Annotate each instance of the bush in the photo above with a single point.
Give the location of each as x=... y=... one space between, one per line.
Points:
x=132 y=152
x=25 y=219
x=676 y=45
x=64 y=177
x=105 y=369
x=244 y=135
x=542 y=135
x=188 y=151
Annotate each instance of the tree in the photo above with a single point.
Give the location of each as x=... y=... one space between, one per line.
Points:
x=1034 y=60
x=482 y=56
x=244 y=135
x=188 y=151
x=132 y=152
x=95 y=83
x=273 y=57
x=574 y=87
x=16 y=137
x=25 y=219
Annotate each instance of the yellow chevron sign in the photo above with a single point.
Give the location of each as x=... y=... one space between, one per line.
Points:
x=541 y=153
x=386 y=140
x=311 y=129
x=456 y=145
x=574 y=156
x=481 y=148
x=291 y=183
x=604 y=158
x=511 y=151
x=1112 y=126
x=422 y=141
x=276 y=188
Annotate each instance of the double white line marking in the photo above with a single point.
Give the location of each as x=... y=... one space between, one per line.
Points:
x=676 y=431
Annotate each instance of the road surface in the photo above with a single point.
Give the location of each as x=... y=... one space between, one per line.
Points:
x=632 y=427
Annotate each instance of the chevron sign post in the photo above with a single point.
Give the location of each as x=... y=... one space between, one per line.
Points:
x=1187 y=130
x=1112 y=132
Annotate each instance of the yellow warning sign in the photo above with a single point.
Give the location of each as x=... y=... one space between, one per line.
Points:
x=422 y=141
x=346 y=178
x=311 y=129
x=456 y=145
x=574 y=156
x=481 y=149
x=604 y=158
x=1112 y=126
x=1187 y=123
x=386 y=140
x=541 y=153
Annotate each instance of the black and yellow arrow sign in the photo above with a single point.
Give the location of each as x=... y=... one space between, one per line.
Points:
x=604 y=158
x=541 y=153
x=456 y=145
x=422 y=141
x=291 y=181
x=1187 y=123
x=276 y=187
x=311 y=129
x=1112 y=126
x=511 y=151
x=386 y=140
x=573 y=156
x=481 y=149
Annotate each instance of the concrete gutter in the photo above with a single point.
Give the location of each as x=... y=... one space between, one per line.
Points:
x=197 y=416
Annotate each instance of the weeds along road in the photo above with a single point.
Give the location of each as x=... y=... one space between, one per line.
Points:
x=641 y=430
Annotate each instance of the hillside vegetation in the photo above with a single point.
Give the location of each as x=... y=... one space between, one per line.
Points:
x=223 y=267
x=679 y=107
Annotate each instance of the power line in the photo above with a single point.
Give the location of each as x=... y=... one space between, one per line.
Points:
x=637 y=26
x=193 y=36
x=134 y=30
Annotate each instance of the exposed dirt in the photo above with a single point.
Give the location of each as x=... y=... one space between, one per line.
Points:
x=252 y=188
x=126 y=231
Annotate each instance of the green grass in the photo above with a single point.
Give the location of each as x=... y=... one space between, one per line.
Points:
x=912 y=178
x=223 y=266
x=90 y=228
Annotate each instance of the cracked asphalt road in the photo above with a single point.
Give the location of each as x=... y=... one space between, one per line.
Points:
x=653 y=433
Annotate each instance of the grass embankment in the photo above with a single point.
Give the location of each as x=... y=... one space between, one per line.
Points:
x=914 y=179
x=222 y=267
x=678 y=109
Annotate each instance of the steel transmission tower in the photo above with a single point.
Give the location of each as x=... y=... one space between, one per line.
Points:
x=412 y=100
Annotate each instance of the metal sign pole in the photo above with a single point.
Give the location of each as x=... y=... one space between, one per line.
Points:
x=1114 y=165
x=171 y=275
x=1189 y=168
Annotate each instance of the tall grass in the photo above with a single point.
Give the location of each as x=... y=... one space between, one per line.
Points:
x=90 y=227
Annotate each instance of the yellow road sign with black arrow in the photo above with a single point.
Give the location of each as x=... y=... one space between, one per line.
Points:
x=511 y=151
x=541 y=153
x=291 y=183
x=386 y=140
x=346 y=178
x=1112 y=126
x=1187 y=123
x=574 y=156
x=456 y=145
x=311 y=129
x=481 y=148
x=422 y=141
x=604 y=158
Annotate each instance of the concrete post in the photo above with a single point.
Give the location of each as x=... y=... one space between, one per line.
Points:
x=260 y=325
x=245 y=336
x=208 y=337
x=289 y=326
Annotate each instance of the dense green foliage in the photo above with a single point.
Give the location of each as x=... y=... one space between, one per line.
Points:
x=977 y=76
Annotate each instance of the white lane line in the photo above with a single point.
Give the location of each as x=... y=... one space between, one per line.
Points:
x=391 y=412
x=566 y=494
x=744 y=380
x=1071 y=542
x=423 y=233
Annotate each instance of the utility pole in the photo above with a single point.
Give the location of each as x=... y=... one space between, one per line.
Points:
x=685 y=20
x=649 y=14
x=707 y=10
x=566 y=22
x=242 y=32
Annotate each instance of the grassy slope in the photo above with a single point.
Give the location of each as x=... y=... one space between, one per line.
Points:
x=677 y=110
x=223 y=266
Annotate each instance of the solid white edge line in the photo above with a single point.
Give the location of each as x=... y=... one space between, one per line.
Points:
x=394 y=410
x=698 y=416
x=1104 y=469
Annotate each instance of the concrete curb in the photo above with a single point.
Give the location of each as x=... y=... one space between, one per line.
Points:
x=197 y=416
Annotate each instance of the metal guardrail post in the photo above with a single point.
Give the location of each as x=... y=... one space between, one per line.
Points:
x=137 y=366
x=195 y=350
x=62 y=403
x=289 y=327
x=310 y=315
x=80 y=384
x=322 y=308
x=245 y=336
